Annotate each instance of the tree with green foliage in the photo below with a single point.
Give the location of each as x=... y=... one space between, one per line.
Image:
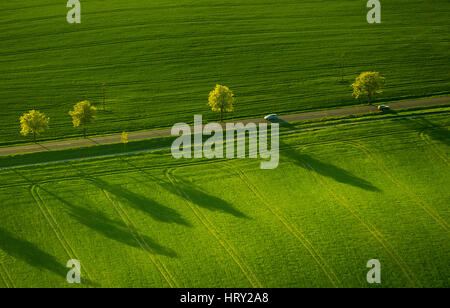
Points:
x=368 y=84
x=83 y=114
x=221 y=99
x=33 y=122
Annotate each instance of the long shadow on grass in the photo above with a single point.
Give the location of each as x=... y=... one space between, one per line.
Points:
x=423 y=125
x=205 y=200
x=110 y=228
x=325 y=169
x=328 y=170
x=30 y=253
x=191 y=192
x=154 y=209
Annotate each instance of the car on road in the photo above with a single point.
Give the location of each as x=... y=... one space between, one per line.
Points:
x=271 y=117
x=384 y=108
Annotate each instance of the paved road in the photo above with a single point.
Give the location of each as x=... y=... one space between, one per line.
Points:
x=78 y=143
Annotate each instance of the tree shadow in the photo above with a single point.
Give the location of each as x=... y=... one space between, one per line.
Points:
x=278 y=121
x=425 y=126
x=30 y=253
x=154 y=209
x=325 y=169
x=117 y=231
x=150 y=207
x=205 y=200
x=196 y=194
x=110 y=228
x=284 y=125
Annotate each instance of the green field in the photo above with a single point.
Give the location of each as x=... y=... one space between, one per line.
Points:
x=341 y=196
x=159 y=59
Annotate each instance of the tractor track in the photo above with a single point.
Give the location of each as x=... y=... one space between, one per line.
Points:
x=245 y=269
x=427 y=140
x=4 y=274
x=301 y=238
x=45 y=211
x=4 y=280
x=421 y=203
x=159 y=167
x=135 y=233
x=372 y=230
x=162 y=269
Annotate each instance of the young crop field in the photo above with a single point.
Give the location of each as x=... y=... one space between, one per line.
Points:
x=158 y=60
x=341 y=196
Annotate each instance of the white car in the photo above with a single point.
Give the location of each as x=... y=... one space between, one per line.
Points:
x=271 y=117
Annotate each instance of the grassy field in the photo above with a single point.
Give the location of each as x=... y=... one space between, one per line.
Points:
x=159 y=59
x=341 y=196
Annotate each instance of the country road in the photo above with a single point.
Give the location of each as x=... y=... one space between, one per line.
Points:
x=142 y=135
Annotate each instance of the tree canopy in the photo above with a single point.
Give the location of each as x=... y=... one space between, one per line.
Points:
x=368 y=84
x=221 y=99
x=83 y=114
x=34 y=122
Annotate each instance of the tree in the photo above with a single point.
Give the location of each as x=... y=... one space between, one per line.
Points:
x=221 y=99
x=83 y=114
x=33 y=122
x=368 y=84
x=124 y=140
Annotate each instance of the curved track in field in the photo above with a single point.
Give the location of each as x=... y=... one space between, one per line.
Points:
x=297 y=234
x=4 y=274
x=433 y=147
x=159 y=265
x=230 y=250
x=162 y=269
x=379 y=237
x=403 y=187
x=51 y=221
x=372 y=230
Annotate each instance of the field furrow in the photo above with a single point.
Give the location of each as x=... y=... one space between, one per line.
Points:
x=251 y=277
x=294 y=231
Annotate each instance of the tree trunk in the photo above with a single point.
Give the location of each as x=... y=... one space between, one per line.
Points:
x=34 y=137
x=221 y=115
x=84 y=131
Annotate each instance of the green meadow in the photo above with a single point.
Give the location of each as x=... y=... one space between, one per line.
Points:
x=159 y=59
x=340 y=197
